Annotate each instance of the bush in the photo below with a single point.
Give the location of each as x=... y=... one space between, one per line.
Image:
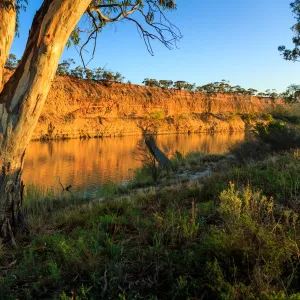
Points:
x=248 y=118
x=289 y=118
x=230 y=204
x=268 y=117
x=157 y=115
x=278 y=135
x=161 y=244
x=252 y=149
x=253 y=252
x=278 y=177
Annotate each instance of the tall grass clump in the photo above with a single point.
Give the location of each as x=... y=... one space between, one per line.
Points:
x=38 y=199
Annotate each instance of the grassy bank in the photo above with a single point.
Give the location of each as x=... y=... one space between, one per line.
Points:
x=231 y=235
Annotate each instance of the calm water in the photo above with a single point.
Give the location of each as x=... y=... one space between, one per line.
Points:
x=86 y=164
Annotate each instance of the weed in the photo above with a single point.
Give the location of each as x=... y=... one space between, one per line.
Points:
x=219 y=240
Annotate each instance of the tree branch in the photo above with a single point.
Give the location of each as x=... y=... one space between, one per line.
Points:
x=162 y=29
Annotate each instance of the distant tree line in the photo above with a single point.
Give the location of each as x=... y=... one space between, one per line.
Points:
x=97 y=74
x=222 y=87
x=169 y=84
x=64 y=68
x=291 y=95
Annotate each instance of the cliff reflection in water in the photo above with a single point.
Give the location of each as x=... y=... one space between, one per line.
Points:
x=87 y=164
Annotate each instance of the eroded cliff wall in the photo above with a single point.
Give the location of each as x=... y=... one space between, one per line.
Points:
x=82 y=108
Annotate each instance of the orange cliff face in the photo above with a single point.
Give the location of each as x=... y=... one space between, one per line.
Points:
x=86 y=108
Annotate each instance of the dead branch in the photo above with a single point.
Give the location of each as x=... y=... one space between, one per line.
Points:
x=67 y=188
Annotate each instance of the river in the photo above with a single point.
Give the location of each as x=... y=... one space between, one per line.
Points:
x=86 y=164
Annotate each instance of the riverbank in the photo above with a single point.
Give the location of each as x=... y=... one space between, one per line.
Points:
x=216 y=227
x=232 y=235
x=77 y=108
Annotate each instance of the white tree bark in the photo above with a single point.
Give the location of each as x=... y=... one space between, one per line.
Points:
x=23 y=97
x=7 y=32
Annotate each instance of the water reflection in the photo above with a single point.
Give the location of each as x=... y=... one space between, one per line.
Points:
x=87 y=164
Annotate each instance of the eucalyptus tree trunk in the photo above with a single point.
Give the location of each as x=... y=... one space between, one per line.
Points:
x=7 y=32
x=23 y=97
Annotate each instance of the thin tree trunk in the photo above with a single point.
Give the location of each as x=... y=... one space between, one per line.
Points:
x=7 y=32
x=24 y=95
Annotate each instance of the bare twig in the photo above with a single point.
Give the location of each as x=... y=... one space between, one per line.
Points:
x=67 y=188
x=105 y=284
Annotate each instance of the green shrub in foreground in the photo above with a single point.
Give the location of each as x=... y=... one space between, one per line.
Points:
x=278 y=176
x=165 y=244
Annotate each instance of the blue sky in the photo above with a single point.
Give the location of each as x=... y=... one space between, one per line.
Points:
x=236 y=40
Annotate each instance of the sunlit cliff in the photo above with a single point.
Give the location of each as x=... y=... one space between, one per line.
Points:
x=86 y=108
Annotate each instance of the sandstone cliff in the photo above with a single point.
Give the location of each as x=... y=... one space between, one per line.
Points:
x=85 y=108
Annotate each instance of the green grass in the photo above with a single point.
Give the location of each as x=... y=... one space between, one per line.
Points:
x=193 y=162
x=167 y=243
x=232 y=236
x=277 y=176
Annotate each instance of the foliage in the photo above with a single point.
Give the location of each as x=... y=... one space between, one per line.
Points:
x=151 y=82
x=276 y=176
x=288 y=112
x=157 y=115
x=190 y=87
x=180 y=85
x=77 y=72
x=292 y=94
x=161 y=244
x=148 y=16
x=223 y=87
x=165 y=84
x=279 y=135
x=251 y=149
x=17 y=5
x=293 y=54
x=64 y=67
x=97 y=74
x=230 y=204
x=271 y=94
x=233 y=238
x=12 y=61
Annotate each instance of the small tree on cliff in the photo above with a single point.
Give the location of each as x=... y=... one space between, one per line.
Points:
x=179 y=85
x=12 y=61
x=165 y=84
x=64 y=67
x=78 y=72
x=292 y=93
x=23 y=96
